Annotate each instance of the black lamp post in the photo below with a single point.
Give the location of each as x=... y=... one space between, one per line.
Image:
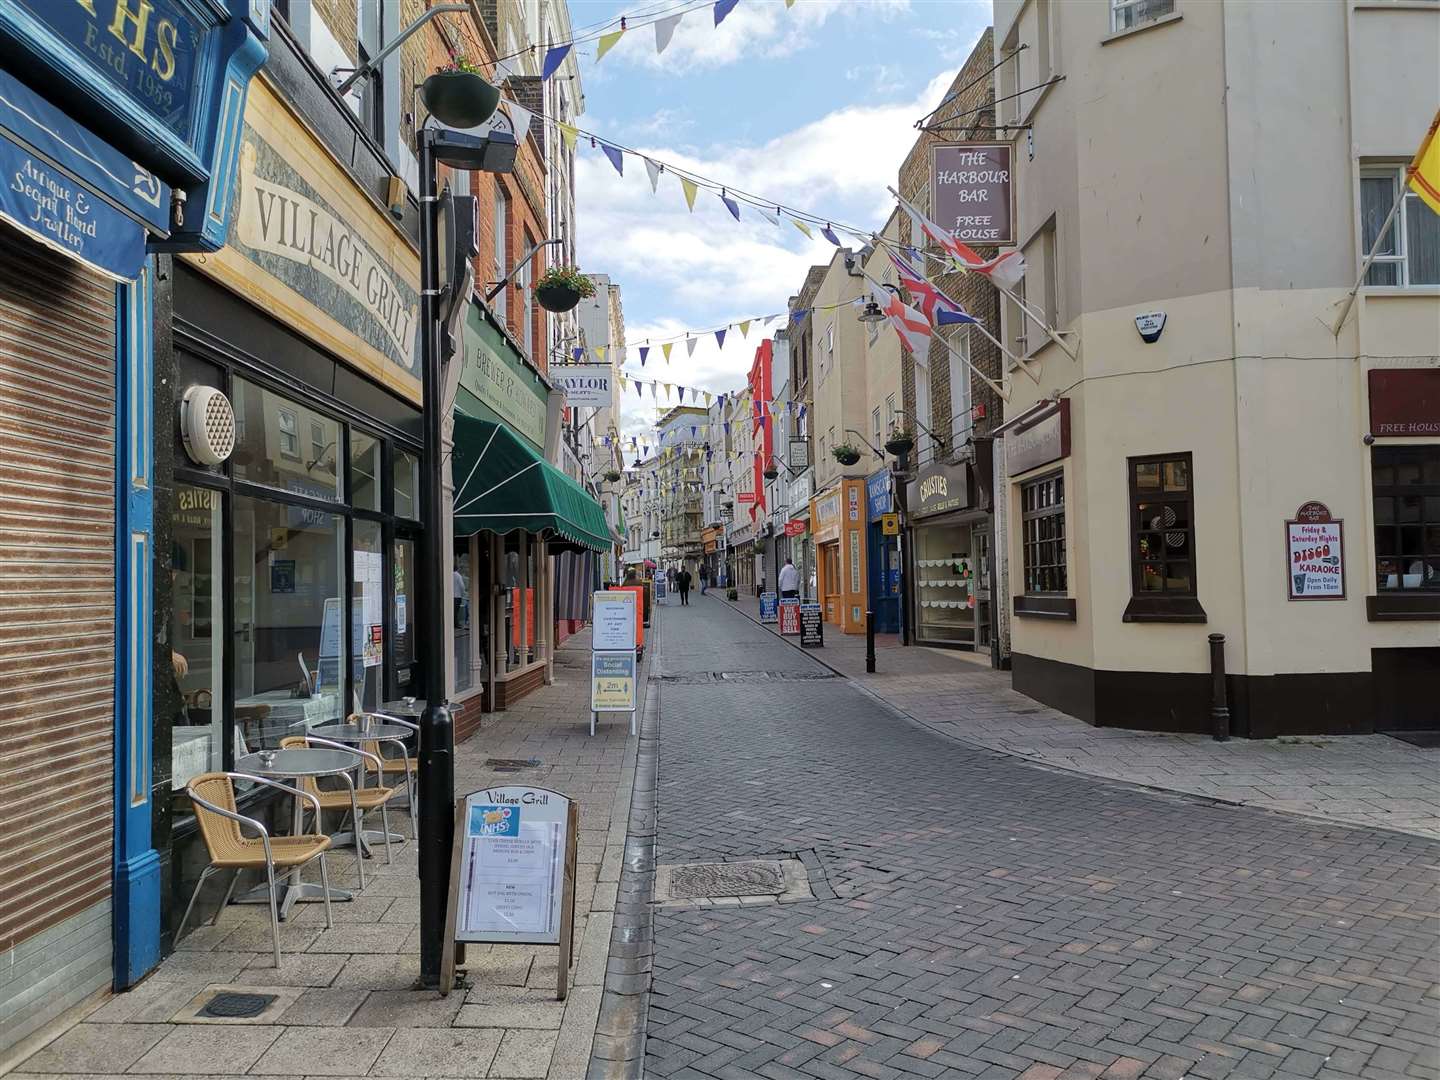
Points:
x=492 y=153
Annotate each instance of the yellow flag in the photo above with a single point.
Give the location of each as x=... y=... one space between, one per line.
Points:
x=568 y=132
x=690 y=191
x=1424 y=172
x=745 y=328
x=666 y=350
x=803 y=228
x=600 y=353
x=607 y=42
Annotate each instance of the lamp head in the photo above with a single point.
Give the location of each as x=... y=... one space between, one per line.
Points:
x=872 y=313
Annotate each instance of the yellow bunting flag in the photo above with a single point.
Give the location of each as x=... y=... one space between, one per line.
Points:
x=745 y=328
x=623 y=382
x=607 y=42
x=568 y=132
x=600 y=353
x=1423 y=174
x=666 y=350
x=690 y=192
x=803 y=228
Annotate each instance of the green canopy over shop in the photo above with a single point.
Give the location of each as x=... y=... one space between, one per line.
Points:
x=501 y=485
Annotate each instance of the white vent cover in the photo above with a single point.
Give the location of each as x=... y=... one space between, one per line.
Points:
x=207 y=424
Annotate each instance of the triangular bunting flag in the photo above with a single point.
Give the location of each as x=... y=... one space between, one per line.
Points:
x=653 y=170
x=639 y=389
x=798 y=224
x=720 y=337
x=665 y=30
x=707 y=400
x=690 y=191
x=667 y=391
x=520 y=117
x=623 y=382
x=666 y=350
x=799 y=313
x=644 y=352
x=654 y=391
x=745 y=328
x=723 y=8
x=600 y=353
x=829 y=234
x=568 y=132
x=554 y=57
x=731 y=205
x=690 y=346
x=606 y=42
x=616 y=156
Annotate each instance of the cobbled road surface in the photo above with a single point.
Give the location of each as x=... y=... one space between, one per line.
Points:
x=975 y=916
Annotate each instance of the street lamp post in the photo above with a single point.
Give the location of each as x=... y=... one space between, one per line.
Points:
x=492 y=153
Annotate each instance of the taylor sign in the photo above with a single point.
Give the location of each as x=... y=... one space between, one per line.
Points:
x=972 y=192
x=585 y=385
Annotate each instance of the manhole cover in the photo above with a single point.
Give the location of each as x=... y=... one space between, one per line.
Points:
x=232 y=1006
x=726 y=879
x=502 y=764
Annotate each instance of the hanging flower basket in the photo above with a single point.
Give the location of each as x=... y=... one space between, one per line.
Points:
x=771 y=472
x=613 y=475
x=562 y=287
x=846 y=454
x=655 y=535
x=900 y=443
x=459 y=96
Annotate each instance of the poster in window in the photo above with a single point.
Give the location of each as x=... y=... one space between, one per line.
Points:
x=1315 y=554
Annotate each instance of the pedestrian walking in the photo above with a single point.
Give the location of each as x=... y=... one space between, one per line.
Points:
x=789 y=581
x=670 y=577
x=682 y=582
x=704 y=578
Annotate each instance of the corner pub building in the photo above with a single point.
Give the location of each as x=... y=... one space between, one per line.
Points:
x=119 y=126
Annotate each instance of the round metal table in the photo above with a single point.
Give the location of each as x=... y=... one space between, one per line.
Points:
x=363 y=733
x=411 y=708
x=296 y=765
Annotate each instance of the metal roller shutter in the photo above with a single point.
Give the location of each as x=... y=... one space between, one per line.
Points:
x=57 y=587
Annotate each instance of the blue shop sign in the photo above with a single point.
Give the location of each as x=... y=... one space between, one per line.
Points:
x=877 y=495
x=146 y=49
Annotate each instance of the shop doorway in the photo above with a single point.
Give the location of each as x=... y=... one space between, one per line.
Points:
x=830 y=580
x=884 y=580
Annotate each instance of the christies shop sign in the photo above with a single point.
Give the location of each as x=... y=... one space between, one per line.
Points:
x=938 y=489
x=972 y=192
x=316 y=253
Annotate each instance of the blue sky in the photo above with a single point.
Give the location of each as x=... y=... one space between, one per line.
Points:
x=811 y=106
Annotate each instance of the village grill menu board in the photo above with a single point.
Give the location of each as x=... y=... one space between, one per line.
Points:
x=512 y=870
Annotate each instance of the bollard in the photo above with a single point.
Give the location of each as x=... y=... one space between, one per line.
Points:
x=869 y=643
x=1219 y=703
x=437 y=835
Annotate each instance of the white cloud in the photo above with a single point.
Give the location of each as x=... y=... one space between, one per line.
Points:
x=704 y=269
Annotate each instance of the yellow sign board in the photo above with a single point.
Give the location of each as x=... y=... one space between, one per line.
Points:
x=890 y=524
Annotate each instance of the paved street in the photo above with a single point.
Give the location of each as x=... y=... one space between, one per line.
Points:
x=1372 y=780
x=974 y=915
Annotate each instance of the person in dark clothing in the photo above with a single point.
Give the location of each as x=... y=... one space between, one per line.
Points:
x=682 y=582
x=704 y=578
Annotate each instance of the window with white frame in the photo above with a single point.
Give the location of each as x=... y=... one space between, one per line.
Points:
x=1125 y=14
x=289 y=426
x=501 y=228
x=875 y=421
x=1410 y=253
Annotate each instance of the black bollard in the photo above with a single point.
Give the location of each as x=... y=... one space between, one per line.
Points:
x=437 y=835
x=869 y=643
x=1219 y=702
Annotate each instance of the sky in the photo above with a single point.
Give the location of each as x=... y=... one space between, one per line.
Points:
x=812 y=106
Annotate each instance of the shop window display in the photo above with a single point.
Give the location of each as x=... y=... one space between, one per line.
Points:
x=946 y=584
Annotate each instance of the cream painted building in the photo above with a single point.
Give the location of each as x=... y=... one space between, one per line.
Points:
x=1224 y=167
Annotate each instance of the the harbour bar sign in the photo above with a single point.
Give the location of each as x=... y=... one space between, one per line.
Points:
x=972 y=192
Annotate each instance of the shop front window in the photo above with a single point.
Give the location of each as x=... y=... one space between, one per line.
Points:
x=1407 y=517
x=269 y=449
x=289 y=596
x=407 y=485
x=197 y=634
x=367 y=618
x=946 y=585
x=463 y=588
x=364 y=471
x=519 y=585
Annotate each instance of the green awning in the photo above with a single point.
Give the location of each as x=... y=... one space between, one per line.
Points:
x=501 y=485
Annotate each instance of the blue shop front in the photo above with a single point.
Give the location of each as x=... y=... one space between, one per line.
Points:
x=119 y=129
x=884 y=555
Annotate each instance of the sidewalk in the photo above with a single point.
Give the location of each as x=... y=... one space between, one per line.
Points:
x=345 y=1005
x=1369 y=780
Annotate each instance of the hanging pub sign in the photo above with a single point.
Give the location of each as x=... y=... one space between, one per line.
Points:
x=585 y=385
x=972 y=193
x=799 y=454
x=512 y=876
x=1315 y=554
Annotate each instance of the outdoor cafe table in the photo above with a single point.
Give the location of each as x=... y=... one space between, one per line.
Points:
x=296 y=765
x=408 y=707
x=363 y=733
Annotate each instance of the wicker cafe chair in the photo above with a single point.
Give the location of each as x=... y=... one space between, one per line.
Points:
x=213 y=796
x=404 y=767
x=356 y=800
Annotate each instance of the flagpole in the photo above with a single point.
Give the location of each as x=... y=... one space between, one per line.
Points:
x=1369 y=258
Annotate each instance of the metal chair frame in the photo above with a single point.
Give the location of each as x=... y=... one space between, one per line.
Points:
x=259 y=827
x=411 y=778
x=356 y=814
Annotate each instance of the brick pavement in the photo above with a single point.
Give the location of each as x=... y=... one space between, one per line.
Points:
x=1370 y=780
x=352 y=1011
x=976 y=916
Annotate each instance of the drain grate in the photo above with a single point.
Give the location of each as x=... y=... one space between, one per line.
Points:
x=233 y=1006
x=505 y=764
x=747 y=881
